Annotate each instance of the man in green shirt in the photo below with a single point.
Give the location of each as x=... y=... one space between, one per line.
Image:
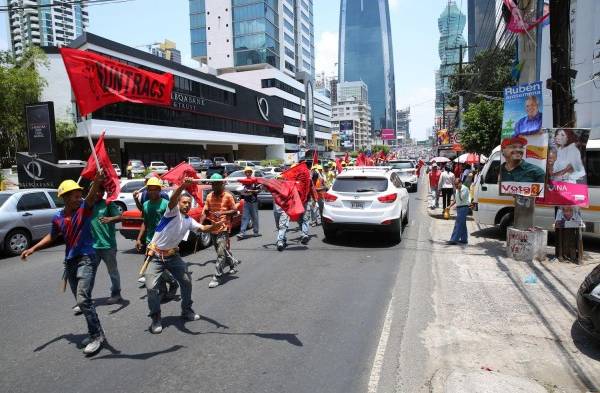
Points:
x=104 y=217
x=515 y=168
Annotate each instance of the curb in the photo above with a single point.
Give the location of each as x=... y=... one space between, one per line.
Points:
x=479 y=381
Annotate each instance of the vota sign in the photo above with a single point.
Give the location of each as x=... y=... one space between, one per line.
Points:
x=388 y=134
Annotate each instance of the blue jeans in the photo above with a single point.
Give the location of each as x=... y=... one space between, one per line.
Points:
x=284 y=223
x=460 y=233
x=178 y=268
x=250 y=212
x=109 y=256
x=80 y=273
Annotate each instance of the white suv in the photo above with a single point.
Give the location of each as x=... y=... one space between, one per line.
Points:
x=366 y=199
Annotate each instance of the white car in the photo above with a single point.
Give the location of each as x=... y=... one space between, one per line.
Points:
x=274 y=170
x=158 y=167
x=366 y=199
x=235 y=187
x=125 y=199
x=407 y=171
x=117 y=169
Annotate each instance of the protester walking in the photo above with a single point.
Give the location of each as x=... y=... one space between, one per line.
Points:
x=445 y=186
x=163 y=255
x=218 y=208
x=250 y=212
x=73 y=224
x=104 y=217
x=434 y=179
x=462 y=201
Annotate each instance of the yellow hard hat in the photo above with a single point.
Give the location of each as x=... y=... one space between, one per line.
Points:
x=246 y=169
x=153 y=182
x=68 y=186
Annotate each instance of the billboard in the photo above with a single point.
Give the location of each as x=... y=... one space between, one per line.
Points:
x=522 y=110
x=41 y=134
x=347 y=134
x=388 y=134
x=567 y=178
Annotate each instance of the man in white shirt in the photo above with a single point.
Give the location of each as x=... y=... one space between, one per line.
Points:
x=172 y=228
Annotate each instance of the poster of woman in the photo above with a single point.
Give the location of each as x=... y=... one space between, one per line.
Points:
x=567 y=178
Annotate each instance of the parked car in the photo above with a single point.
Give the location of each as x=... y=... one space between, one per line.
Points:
x=135 y=168
x=195 y=162
x=132 y=221
x=235 y=187
x=230 y=168
x=117 y=169
x=274 y=170
x=158 y=167
x=265 y=198
x=366 y=199
x=245 y=163
x=25 y=217
x=407 y=171
x=125 y=200
x=219 y=160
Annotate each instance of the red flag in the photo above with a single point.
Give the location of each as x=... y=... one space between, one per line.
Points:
x=285 y=194
x=346 y=158
x=360 y=160
x=111 y=182
x=98 y=81
x=338 y=165
x=178 y=173
x=301 y=175
x=315 y=158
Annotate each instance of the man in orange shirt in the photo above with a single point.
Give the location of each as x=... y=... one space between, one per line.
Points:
x=219 y=207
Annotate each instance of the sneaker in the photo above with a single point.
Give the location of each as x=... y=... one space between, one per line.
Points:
x=94 y=345
x=304 y=239
x=114 y=299
x=190 y=315
x=142 y=281
x=156 y=326
x=241 y=236
x=232 y=270
x=77 y=310
x=214 y=283
x=280 y=246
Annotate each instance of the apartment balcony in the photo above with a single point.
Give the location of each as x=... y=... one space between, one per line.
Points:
x=35 y=40
x=35 y=33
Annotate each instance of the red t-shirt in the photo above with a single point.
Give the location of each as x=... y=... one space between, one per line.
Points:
x=434 y=177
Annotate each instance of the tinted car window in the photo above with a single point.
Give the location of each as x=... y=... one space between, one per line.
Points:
x=593 y=168
x=33 y=201
x=4 y=198
x=57 y=201
x=396 y=180
x=401 y=165
x=360 y=184
x=132 y=186
x=491 y=177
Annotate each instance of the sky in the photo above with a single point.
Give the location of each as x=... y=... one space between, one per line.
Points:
x=414 y=38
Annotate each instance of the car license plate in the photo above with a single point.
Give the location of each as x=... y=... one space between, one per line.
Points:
x=357 y=205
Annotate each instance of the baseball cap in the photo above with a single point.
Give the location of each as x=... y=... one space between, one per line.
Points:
x=515 y=139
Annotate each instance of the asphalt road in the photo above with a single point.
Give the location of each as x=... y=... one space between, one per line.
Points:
x=308 y=319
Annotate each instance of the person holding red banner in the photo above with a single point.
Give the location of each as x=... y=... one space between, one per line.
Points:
x=73 y=223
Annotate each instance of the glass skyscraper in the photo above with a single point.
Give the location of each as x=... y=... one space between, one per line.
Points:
x=365 y=54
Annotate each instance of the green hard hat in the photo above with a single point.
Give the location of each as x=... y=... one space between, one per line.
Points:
x=216 y=176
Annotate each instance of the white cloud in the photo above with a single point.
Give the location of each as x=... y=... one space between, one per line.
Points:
x=326 y=56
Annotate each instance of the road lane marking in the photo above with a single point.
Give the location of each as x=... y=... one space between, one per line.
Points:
x=379 y=354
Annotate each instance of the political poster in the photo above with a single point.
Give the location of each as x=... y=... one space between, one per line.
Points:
x=522 y=105
x=567 y=178
x=523 y=165
x=347 y=134
x=568 y=217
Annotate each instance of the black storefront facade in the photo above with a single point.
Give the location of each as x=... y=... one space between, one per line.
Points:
x=208 y=116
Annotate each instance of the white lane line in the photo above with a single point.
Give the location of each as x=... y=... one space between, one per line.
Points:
x=378 y=360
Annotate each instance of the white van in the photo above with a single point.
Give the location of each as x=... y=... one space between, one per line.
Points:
x=495 y=209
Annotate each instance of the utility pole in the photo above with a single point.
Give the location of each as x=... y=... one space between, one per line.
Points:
x=569 y=242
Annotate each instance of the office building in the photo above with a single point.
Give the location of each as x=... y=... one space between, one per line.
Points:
x=167 y=50
x=351 y=120
x=481 y=27
x=365 y=54
x=267 y=46
x=403 y=126
x=44 y=23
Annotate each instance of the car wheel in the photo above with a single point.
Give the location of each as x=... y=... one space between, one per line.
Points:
x=17 y=241
x=328 y=232
x=506 y=221
x=405 y=218
x=120 y=207
x=397 y=231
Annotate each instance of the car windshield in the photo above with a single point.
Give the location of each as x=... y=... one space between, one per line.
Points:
x=158 y=163
x=132 y=186
x=136 y=164
x=360 y=184
x=401 y=165
x=4 y=198
x=241 y=174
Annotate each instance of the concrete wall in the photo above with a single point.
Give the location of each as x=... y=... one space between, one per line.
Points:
x=58 y=89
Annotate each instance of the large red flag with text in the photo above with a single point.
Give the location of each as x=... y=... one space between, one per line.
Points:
x=177 y=175
x=111 y=181
x=97 y=81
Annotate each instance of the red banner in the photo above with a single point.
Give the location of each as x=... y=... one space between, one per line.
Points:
x=178 y=174
x=98 y=81
x=111 y=182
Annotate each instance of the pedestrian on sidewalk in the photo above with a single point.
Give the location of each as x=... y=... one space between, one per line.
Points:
x=164 y=255
x=73 y=223
x=219 y=207
x=462 y=200
x=434 y=180
x=250 y=212
x=104 y=217
x=446 y=186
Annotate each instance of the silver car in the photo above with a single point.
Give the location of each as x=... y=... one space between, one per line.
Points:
x=26 y=216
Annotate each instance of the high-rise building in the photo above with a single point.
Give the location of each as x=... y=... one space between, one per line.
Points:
x=167 y=50
x=482 y=26
x=44 y=23
x=365 y=33
x=268 y=46
x=352 y=91
x=242 y=34
x=451 y=24
x=352 y=115
x=403 y=125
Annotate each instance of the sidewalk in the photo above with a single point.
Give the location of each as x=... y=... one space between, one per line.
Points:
x=494 y=333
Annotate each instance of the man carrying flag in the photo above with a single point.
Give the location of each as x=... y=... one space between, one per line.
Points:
x=73 y=223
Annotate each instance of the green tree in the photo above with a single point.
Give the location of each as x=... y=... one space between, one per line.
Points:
x=20 y=84
x=378 y=148
x=482 y=126
x=65 y=130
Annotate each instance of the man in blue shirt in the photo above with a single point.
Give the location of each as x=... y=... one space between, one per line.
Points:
x=532 y=123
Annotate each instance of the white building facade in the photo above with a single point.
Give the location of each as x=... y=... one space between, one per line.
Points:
x=352 y=116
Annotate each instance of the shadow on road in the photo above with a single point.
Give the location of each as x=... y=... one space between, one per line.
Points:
x=103 y=302
x=136 y=356
x=71 y=339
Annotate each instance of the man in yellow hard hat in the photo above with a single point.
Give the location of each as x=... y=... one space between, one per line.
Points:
x=250 y=212
x=73 y=223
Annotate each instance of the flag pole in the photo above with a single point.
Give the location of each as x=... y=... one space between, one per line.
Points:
x=89 y=136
